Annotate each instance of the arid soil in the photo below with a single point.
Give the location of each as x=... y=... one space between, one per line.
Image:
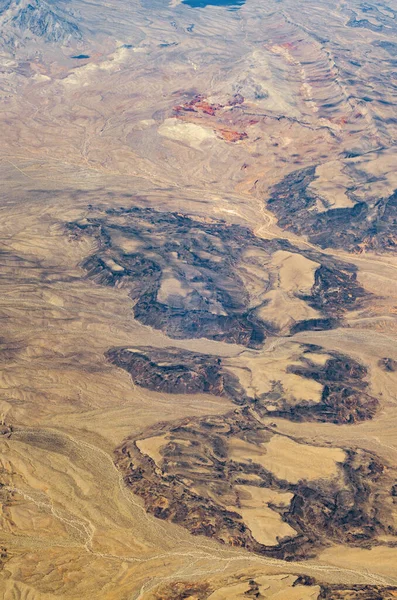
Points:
x=198 y=300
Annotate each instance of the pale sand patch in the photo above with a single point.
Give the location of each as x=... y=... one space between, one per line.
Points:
x=292 y=461
x=143 y=124
x=299 y=592
x=300 y=388
x=152 y=446
x=284 y=310
x=296 y=273
x=257 y=374
x=237 y=591
x=40 y=77
x=208 y=256
x=289 y=460
x=317 y=359
x=362 y=559
x=189 y=133
x=384 y=165
x=113 y=266
x=380 y=171
x=280 y=587
x=330 y=186
x=53 y=299
x=254 y=496
x=252 y=477
x=242 y=451
x=266 y=525
x=81 y=74
x=171 y=286
x=128 y=245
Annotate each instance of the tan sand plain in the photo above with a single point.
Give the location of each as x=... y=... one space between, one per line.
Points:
x=152 y=447
x=266 y=525
x=289 y=460
x=293 y=462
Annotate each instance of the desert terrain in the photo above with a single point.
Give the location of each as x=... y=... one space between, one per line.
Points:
x=198 y=300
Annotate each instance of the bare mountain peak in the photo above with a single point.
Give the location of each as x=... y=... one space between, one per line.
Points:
x=51 y=21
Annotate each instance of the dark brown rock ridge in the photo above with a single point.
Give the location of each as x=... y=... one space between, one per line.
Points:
x=388 y=364
x=350 y=514
x=195 y=469
x=193 y=479
x=357 y=592
x=201 y=590
x=344 y=399
x=368 y=225
x=182 y=277
x=177 y=371
x=191 y=277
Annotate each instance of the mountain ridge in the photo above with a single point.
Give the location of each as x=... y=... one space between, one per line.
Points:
x=22 y=19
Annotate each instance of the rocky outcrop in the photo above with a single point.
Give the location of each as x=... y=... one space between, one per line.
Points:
x=350 y=514
x=177 y=371
x=371 y=226
x=345 y=398
x=191 y=479
x=256 y=584
x=388 y=364
x=357 y=592
x=191 y=277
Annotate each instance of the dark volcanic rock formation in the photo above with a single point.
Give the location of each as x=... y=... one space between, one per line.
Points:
x=344 y=399
x=350 y=514
x=314 y=325
x=191 y=277
x=388 y=364
x=378 y=20
x=202 y=590
x=334 y=291
x=357 y=592
x=195 y=470
x=181 y=590
x=371 y=226
x=182 y=277
x=196 y=484
x=177 y=371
